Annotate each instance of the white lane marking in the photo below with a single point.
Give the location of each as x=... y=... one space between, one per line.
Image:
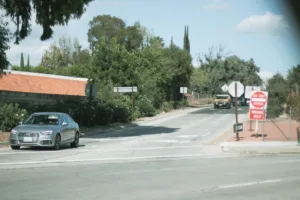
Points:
x=184 y=142
x=124 y=159
x=205 y=134
x=249 y=183
x=165 y=141
x=187 y=136
x=151 y=170
x=288 y=161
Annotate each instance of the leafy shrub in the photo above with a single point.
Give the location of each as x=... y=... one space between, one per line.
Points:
x=104 y=114
x=10 y=115
x=122 y=109
x=274 y=109
x=166 y=106
x=145 y=107
x=293 y=102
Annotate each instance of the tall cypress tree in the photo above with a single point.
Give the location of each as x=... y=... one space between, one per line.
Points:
x=22 y=62
x=187 y=40
x=172 y=43
x=28 y=63
x=184 y=38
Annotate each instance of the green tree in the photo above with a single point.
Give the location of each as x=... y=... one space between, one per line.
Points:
x=293 y=78
x=277 y=95
x=22 y=66
x=199 y=80
x=107 y=27
x=28 y=63
x=20 y=13
x=222 y=69
x=4 y=40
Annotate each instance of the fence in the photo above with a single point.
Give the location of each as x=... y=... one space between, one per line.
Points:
x=279 y=125
x=199 y=99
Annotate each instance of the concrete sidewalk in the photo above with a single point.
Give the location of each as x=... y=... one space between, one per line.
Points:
x=274 y=136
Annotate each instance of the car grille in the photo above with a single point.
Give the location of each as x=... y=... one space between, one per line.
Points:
x=34 y=136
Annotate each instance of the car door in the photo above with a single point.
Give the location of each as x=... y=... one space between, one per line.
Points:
x=72 y=128
x=65 y=135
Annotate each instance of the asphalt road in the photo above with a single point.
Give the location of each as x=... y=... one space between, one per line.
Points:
x=166 y=158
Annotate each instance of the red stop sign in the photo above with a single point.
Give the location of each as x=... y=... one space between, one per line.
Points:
x=258 y=99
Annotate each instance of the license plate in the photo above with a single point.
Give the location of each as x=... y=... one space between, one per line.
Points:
x=220 y=104
x=27 y=139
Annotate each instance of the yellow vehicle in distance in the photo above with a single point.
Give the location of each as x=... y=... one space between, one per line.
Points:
x=222 y=101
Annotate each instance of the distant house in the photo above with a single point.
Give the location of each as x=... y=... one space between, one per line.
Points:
x=28 y=87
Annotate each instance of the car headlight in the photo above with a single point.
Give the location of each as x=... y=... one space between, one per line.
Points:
x=47 y=132
x=14 y=131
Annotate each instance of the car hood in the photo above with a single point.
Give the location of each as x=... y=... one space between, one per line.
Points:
x=35 y=128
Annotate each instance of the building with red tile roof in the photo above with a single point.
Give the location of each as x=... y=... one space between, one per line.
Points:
x=28 y=86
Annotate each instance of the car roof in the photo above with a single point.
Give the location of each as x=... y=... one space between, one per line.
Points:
x=222 y=95
x=48 y=113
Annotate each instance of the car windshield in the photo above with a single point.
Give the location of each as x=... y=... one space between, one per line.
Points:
x=43 y=119
x=221 y=97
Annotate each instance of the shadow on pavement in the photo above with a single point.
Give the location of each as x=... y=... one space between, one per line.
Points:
x=63 y=147
x=221 y=111
x=135 y=131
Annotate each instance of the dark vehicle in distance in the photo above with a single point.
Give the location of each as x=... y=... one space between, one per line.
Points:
x=45 y=129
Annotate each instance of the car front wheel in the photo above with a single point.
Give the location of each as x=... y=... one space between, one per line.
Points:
x=76 y=141
x=57 y=142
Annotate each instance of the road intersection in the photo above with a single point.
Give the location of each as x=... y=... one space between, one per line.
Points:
x=169 y=158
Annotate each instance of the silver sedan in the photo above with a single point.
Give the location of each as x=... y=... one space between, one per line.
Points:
x=46 y=129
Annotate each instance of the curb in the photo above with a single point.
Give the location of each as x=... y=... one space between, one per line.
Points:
x=261 y=147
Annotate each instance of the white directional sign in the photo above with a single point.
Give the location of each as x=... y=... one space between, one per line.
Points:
x=240 y=88
x=183 y=90
x=224 y=88
x=125 y=89
x=249 y=89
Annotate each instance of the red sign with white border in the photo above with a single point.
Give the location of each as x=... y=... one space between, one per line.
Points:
x=257 y=114
x=258 y=100
x=258 y=105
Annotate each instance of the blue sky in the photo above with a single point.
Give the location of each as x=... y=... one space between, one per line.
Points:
x=258 y=29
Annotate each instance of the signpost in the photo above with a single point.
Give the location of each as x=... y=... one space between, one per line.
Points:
x=236 y=89
x=258 y=107
x=127 y=90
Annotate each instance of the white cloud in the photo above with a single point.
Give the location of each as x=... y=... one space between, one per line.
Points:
x=267 y=23
x=216 y=5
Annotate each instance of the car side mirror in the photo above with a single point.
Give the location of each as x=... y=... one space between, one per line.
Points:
x=64 y=124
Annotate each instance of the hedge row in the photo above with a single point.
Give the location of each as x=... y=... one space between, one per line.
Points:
x=94 y=112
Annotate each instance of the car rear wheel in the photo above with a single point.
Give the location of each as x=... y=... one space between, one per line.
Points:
x=15 y=147
x=57 y=142
x=76 y=141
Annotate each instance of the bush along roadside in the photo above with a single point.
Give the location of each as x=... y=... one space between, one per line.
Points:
x=293 y=103
x=90 y=113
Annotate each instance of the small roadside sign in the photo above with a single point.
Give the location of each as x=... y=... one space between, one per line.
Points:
x=238 y=127
x=224 y=88
x=257 y=114
x=183 y=90
x=125 y=89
